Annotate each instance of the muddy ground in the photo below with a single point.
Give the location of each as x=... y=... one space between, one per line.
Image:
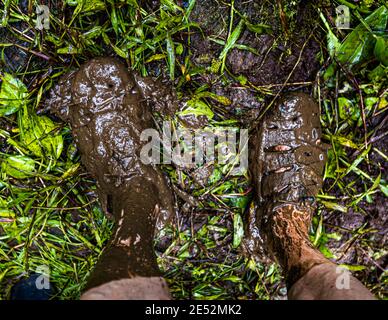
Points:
x=279 y=62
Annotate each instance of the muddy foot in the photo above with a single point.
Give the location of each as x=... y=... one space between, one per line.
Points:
x=105 y=107
x=287 y=164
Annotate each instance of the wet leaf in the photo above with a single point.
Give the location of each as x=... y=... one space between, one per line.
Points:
x=334 y=206
x=381 y=50
x=232 y=278
x=238 y=230
x=345 y=108
x=19 y=167
x=121 y=53
x=190 y=7
x=39 y=136
x=170 y=56
x=13 y=95
x=86 y=6
x=358 y=160
x=70 y=49
x=358 y=45
x=384 y=189
x=6 y=213
x=171 y=6
x=332 y=41
x=345 y=142
x=221 y=99
x=232 y=39
x=258 y=28
x=378 y=73
x=155 y=57
x=197 y=108
x=239 y=202
x=71 y=171
x=352 y=267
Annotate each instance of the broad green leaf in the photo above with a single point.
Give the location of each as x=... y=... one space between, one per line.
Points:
x=332 y=41
x=171 y=5
x=239 y=201
x=378 y=73
x=359 y=44
x=13 y=95
x=19 y=167
x=38 y=133
x=381 y=50
x=345 y=108
x=197 y=108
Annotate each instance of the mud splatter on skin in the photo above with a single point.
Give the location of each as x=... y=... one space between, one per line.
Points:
x=106 y=107
x=287 y=162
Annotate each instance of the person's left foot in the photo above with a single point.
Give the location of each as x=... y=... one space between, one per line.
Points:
x=106 y=110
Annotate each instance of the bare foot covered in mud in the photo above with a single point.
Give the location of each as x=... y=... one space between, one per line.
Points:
x=106 y=108
x=287 y=164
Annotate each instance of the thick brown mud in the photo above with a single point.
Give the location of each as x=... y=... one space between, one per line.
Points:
x=286 y=163
x=288 y=157
x=282 y=56
x=284 y=45
x=106 y=107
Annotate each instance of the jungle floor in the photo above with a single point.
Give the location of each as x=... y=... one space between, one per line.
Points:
x=228 y=61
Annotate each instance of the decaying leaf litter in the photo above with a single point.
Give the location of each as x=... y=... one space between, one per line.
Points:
x=229 y=64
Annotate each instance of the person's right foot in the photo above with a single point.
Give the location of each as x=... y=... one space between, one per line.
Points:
x=287 y=164
x=106 y=110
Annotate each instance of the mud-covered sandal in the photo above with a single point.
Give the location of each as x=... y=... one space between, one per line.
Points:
x=287 y=162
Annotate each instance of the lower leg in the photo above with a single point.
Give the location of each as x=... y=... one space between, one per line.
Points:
x=309 y=274
x=128 y=268
x=106 y=109
x=328 y=281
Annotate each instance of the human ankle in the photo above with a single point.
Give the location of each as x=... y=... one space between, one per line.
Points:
x=287 y=230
